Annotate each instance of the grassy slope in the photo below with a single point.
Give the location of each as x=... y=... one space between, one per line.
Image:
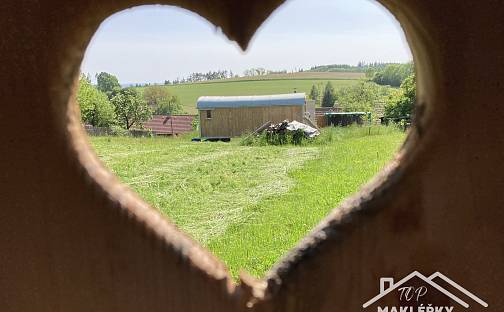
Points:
x=249 y=205
x=270 y=84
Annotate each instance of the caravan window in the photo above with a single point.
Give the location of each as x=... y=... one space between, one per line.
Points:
x=209 y=114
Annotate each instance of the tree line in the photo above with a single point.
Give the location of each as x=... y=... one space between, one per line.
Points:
x=359 y=68
x=391 y=75
x=109 y=105
x=197 y=77
x=223 y=74
x=260 y=71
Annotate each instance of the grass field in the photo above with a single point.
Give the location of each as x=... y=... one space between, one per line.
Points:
x=305 y=75
x=248 y=204
x=269 y=84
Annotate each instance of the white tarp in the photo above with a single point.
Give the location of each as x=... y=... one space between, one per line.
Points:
x=309 y=131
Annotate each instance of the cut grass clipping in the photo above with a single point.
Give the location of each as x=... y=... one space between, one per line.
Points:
x=249 y=204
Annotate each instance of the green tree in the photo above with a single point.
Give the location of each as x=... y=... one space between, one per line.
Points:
x=314 y=94
x=402 y=103
x=130 y=107
x=329 y=95
x=95 y=107
x=161 y=101
x=108 y=84
x=170 y=107
x=364 y=96
x=392 y=74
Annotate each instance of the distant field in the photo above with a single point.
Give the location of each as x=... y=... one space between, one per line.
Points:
x=248 y=204
x=306 y=75
x=270 y=84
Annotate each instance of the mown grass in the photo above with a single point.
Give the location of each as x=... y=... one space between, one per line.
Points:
x=249 y=204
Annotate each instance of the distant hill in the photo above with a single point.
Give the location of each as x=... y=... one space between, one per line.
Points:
x=342 y=68
x=311 y=75
x=259 y=85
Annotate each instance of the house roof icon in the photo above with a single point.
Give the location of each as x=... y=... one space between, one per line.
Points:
x=429 y=280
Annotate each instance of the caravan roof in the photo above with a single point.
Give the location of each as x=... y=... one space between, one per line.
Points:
x=206 y=102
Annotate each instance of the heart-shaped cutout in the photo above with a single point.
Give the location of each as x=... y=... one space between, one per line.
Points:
x=248 y=204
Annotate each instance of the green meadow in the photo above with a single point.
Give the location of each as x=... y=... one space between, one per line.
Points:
x=249 y=204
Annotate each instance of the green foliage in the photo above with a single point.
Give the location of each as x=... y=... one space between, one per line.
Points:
x=161 y=101
x=95 y=108
x=249 y=139
x=314 y=94
x=335 y=67
x=108 y=84
x=360 y=68
x=329 y=95
x=401 y=103
x=365 y=96
x=290 y=137
x=265 y=138
x=195 y=123
x=118 y=131
x=130 y=107
x=170 y=107
x=392 y=74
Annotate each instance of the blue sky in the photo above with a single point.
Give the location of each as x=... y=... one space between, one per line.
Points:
x=155 y=43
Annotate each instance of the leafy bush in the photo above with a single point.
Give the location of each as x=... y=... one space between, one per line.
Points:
x=270 y=138
x=119 y=131
x=95 y=108
x=365 y=96
x=401 y=103
x=195 y=123
x=296 y=137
